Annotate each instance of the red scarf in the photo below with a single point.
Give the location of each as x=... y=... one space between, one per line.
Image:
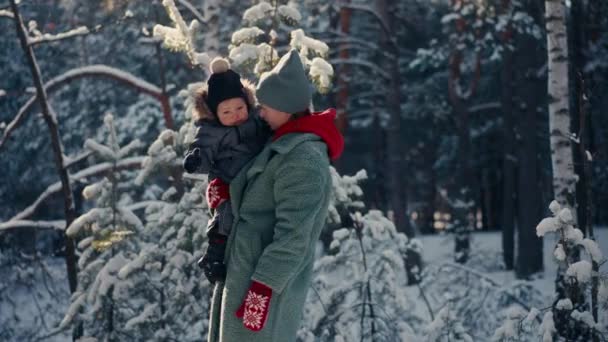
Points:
x=319 y=123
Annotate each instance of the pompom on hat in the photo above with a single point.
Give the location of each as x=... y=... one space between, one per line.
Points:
x=223 y=84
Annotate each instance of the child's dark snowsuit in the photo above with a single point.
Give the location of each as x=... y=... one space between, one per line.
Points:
x=222 y=151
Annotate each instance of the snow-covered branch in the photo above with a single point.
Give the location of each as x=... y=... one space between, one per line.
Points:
x=69 y=161
x=47 y=37
x=101 y=71
x=13 y=224
x=95 y=170
x=180 y=36
x=6 y=14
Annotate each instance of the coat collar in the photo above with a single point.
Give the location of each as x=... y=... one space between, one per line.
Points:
x=282 y=145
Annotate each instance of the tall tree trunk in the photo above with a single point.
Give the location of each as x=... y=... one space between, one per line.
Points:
x=344 y=74
x=561 y=152
x=461 y=190
x=578 y=61
x=529 y=245
x=343 y=21
x=586 y=161
x=51 y=121
x=509 y=163
x=559 y=106
x=394 y=157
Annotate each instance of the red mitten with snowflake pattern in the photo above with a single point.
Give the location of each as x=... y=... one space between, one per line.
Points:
x=218 y=191
x=254 y=310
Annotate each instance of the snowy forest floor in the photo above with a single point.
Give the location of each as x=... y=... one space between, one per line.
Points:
x=439 y=248
x=34 y=302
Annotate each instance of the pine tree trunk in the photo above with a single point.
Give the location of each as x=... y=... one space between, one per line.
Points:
x=509 y=163
x=343 y=75
x=578 y=61
x=344 y=72
x=559 y=108
x=394 y=157
x=529 y=245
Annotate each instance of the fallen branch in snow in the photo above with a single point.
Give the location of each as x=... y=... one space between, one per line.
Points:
x=101 y=71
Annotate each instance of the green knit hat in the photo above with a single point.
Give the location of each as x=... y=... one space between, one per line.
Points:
x=285 y=87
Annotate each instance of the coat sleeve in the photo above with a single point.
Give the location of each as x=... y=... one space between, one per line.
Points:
x=299 y=192
x=208 y=145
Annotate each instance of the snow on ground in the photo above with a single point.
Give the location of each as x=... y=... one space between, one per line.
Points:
x=439 y=248
x=27 y=307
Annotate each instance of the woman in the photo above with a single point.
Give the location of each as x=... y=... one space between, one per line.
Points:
x=280 y=205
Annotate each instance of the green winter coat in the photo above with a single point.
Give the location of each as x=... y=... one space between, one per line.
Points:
x=280 y=205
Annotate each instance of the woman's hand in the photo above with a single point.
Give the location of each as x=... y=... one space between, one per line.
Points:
x=254 y=309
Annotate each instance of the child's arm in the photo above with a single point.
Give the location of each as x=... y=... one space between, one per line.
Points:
x=201 y=151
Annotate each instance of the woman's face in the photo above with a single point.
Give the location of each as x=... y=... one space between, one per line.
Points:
x=232 y=112
x=275 y=118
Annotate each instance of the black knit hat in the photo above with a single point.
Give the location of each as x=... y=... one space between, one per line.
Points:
x=223 y=84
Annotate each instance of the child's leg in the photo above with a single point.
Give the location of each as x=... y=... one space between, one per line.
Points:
x=225 y=218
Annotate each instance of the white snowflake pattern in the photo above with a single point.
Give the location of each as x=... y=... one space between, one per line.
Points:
x=256 y=301
x=252 y=319
x=214 y=195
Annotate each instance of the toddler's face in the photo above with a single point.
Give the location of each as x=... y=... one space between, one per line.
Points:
x=232 y=112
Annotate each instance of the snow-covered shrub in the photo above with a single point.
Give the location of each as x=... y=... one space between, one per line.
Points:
x=139 y=279
x=475 y=303
x=30 y=288
x=359 y=288
x=99 y=302
x=581 y=283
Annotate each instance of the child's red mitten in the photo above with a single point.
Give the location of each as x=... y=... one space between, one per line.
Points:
x=254 y=310
x=217 y=192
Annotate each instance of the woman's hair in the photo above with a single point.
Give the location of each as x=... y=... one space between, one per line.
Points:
x=300 y=114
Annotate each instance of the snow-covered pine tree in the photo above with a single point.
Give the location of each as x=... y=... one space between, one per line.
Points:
x=257 y=47
x=358 y=289
x=100 y=302
x=572 y=305
x=578 y=323
x=168 y=292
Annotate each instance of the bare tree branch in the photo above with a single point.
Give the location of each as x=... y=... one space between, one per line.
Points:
x=100 y=71
x=190 y=7
x=361 y=62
